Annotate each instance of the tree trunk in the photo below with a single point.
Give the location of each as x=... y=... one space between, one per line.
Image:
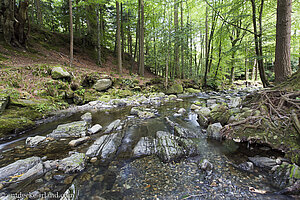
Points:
x=176 y=46
x=71 y=32
x=282 y=66
x=122 y=33
x=258 y=42
x=98 y=36
x=38 y=12
x=119 y=50
x=182 y=46
x=141 y=43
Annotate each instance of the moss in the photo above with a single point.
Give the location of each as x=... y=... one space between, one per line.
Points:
x=12 y=125
x=175 y=89
x=192 y=90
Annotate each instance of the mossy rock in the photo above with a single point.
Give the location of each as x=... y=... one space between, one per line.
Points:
x=60 y=73
x=14 y=125
x=104 y=98
x=192 y=90
x=175 y=89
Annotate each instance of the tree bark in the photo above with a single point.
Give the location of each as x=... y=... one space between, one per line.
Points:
x=71 y=32
x=98 y=36
x=182 y=46
x=119 y=50
x=282 y=66
x=141 y=43
x=176 y=46
x=38 y=12
x=258 y=42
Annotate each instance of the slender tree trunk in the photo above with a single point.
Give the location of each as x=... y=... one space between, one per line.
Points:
x=220 y=58
x=206 y=46
x=282 y=66
x=119 y=50
x=122 y=32
x=71 y=32
x=182 y=45
x=141 y=43
x=98 y=36
x=176 y=47
x=258 y=42
x=38 y=12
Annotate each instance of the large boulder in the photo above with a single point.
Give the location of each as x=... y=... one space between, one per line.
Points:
x=21 y=170
x=168 y=149
x=220 y=114
x=286 y=175
x=263 y=162
x=4 y=101
x=72 y=164
x=106 y=146
x=102 y=84
x=175 y=89
x=60 y=73
x=145 y=147
x=213 y=131
x=74 y=129
x=204 y=111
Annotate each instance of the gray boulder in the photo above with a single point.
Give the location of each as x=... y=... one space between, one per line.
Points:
x=213 y=131
x=106 y=146
x=27 y=167
x=60 y=73
x=72 y=164
x=75 y=143
x=143 y=113
x=112 y=126
x=263 y=162
x=4 y=101
x=74 y=129
x=102 y=84
x=34 y=141
x=145 y=147
x=246 y=166
x=204 y=111
x=168 y=149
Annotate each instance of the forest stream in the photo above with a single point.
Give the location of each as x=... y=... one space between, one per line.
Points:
x=137 y=161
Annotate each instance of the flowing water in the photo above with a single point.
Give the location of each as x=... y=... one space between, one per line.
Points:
x=147 y=177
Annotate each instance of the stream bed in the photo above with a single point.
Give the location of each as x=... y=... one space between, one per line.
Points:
x=146 y=177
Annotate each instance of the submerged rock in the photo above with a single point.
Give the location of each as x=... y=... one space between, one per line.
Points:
x=34 y=141
x=213 y=131
x=74 y=129
x=246 y=166
x=87 y=117
x=106 y=146
x=21 y=170
x=263 y=162
x=72 y=164
x=206 y=165
x=143 y=113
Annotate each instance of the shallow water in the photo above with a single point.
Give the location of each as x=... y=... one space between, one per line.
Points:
x=147 y=177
